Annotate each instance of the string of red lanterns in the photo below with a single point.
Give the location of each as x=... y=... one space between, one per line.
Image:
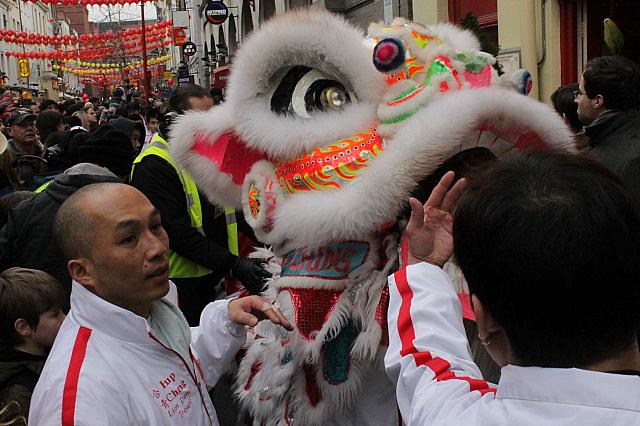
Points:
x=89 y=2
x=86 y=54
x=154 y=31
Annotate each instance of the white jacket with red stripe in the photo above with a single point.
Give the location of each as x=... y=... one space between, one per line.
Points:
x=107 y=367
x=438 y=383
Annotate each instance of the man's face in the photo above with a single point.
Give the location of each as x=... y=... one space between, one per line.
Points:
x=52 y=107
x=153 y=125
x=135 y=139
x=129 y=264
x=47 y=329
x=587 y=110
x=34 y=109
x=24 y=132
x=200 y=104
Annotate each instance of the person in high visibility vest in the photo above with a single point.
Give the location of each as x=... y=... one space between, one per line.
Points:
x=203 y=238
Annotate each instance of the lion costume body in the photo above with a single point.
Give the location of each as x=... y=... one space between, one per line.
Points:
x=323 y=137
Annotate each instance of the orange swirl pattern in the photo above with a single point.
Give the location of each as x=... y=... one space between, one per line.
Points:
x=331 y=166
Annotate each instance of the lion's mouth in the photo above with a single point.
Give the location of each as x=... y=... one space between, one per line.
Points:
x=331 y=166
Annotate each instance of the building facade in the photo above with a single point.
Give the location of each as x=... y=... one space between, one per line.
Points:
x=553 y=39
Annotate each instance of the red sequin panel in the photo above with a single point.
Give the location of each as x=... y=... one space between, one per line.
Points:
x=312 y=308
x=311 y=387
x=381 y=315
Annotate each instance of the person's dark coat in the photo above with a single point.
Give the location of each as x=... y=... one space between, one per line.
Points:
x=615 y=142
x=19 y=373
x=27 y=238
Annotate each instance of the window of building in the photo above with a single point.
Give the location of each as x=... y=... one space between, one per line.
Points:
x=247 y=18
x=233 y=42
x=485 y=10
x=267 y=9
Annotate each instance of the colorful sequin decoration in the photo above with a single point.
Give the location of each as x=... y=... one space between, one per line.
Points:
x=254 y=200
x=337 y=354
x=332 y=166
x=312 y=308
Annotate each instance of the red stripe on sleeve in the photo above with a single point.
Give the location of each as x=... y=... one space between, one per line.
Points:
x=73 y=374
x=405 y=325
x=440 y=366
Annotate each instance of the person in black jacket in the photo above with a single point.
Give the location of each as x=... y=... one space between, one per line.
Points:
x=609 y=106
x=158 y=179
x=26 y=238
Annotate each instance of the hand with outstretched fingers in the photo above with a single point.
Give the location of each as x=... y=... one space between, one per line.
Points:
x=252 y=309
x=429 y=231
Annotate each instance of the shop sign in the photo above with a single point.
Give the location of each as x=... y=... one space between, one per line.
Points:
x=216 y=12
x=179 y=36
x=23 y=68
x=189 y=49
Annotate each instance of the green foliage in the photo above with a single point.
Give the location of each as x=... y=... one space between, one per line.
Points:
x=470 y=22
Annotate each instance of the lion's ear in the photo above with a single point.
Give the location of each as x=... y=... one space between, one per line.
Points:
x=205 y=144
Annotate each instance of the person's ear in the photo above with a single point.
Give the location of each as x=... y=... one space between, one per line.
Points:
x=81 y=270
x=22 y=328
x=9 y=131
x=487 y=325
x=598 y=102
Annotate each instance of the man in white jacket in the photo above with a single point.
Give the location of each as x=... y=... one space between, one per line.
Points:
x=550 y=247
x=125 y=354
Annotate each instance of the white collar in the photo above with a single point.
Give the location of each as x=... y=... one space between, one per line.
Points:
x=570 y=386
x=91 y=311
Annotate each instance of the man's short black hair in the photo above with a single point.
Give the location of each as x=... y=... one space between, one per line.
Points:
x=47 y=103
x=179 y=100
x=550 y=243
x=151 y=112
x=616 y=78
x=564 y=102
x=133 y=106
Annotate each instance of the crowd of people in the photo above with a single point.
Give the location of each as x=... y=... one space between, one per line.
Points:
x=101 y=225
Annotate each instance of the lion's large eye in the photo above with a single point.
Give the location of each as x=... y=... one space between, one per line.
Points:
x=304 y=91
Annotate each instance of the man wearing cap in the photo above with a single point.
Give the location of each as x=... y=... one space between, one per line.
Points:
x=21 y=127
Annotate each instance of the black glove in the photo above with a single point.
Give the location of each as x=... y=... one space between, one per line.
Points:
x=250 y=274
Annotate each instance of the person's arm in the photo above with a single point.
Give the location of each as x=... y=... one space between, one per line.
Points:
x=223 y=331
x=157 y=179
x=428 y=356
x=630 y=175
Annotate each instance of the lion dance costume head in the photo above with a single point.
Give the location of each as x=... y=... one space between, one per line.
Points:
x=324 y=135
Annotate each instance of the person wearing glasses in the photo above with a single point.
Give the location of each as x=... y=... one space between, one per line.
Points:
x=608 y=101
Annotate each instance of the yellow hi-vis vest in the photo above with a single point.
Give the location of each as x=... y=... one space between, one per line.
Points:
x=42 y=187
x=181 y=267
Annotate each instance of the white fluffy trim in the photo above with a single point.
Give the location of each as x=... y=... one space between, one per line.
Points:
x=456 y=37
x=434 y=134
x=316 y=39
x=217 y=185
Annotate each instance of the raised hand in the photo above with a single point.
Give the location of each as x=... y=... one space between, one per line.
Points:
x=430 y=226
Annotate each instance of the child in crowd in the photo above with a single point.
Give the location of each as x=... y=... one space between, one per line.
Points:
x=30 y=316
